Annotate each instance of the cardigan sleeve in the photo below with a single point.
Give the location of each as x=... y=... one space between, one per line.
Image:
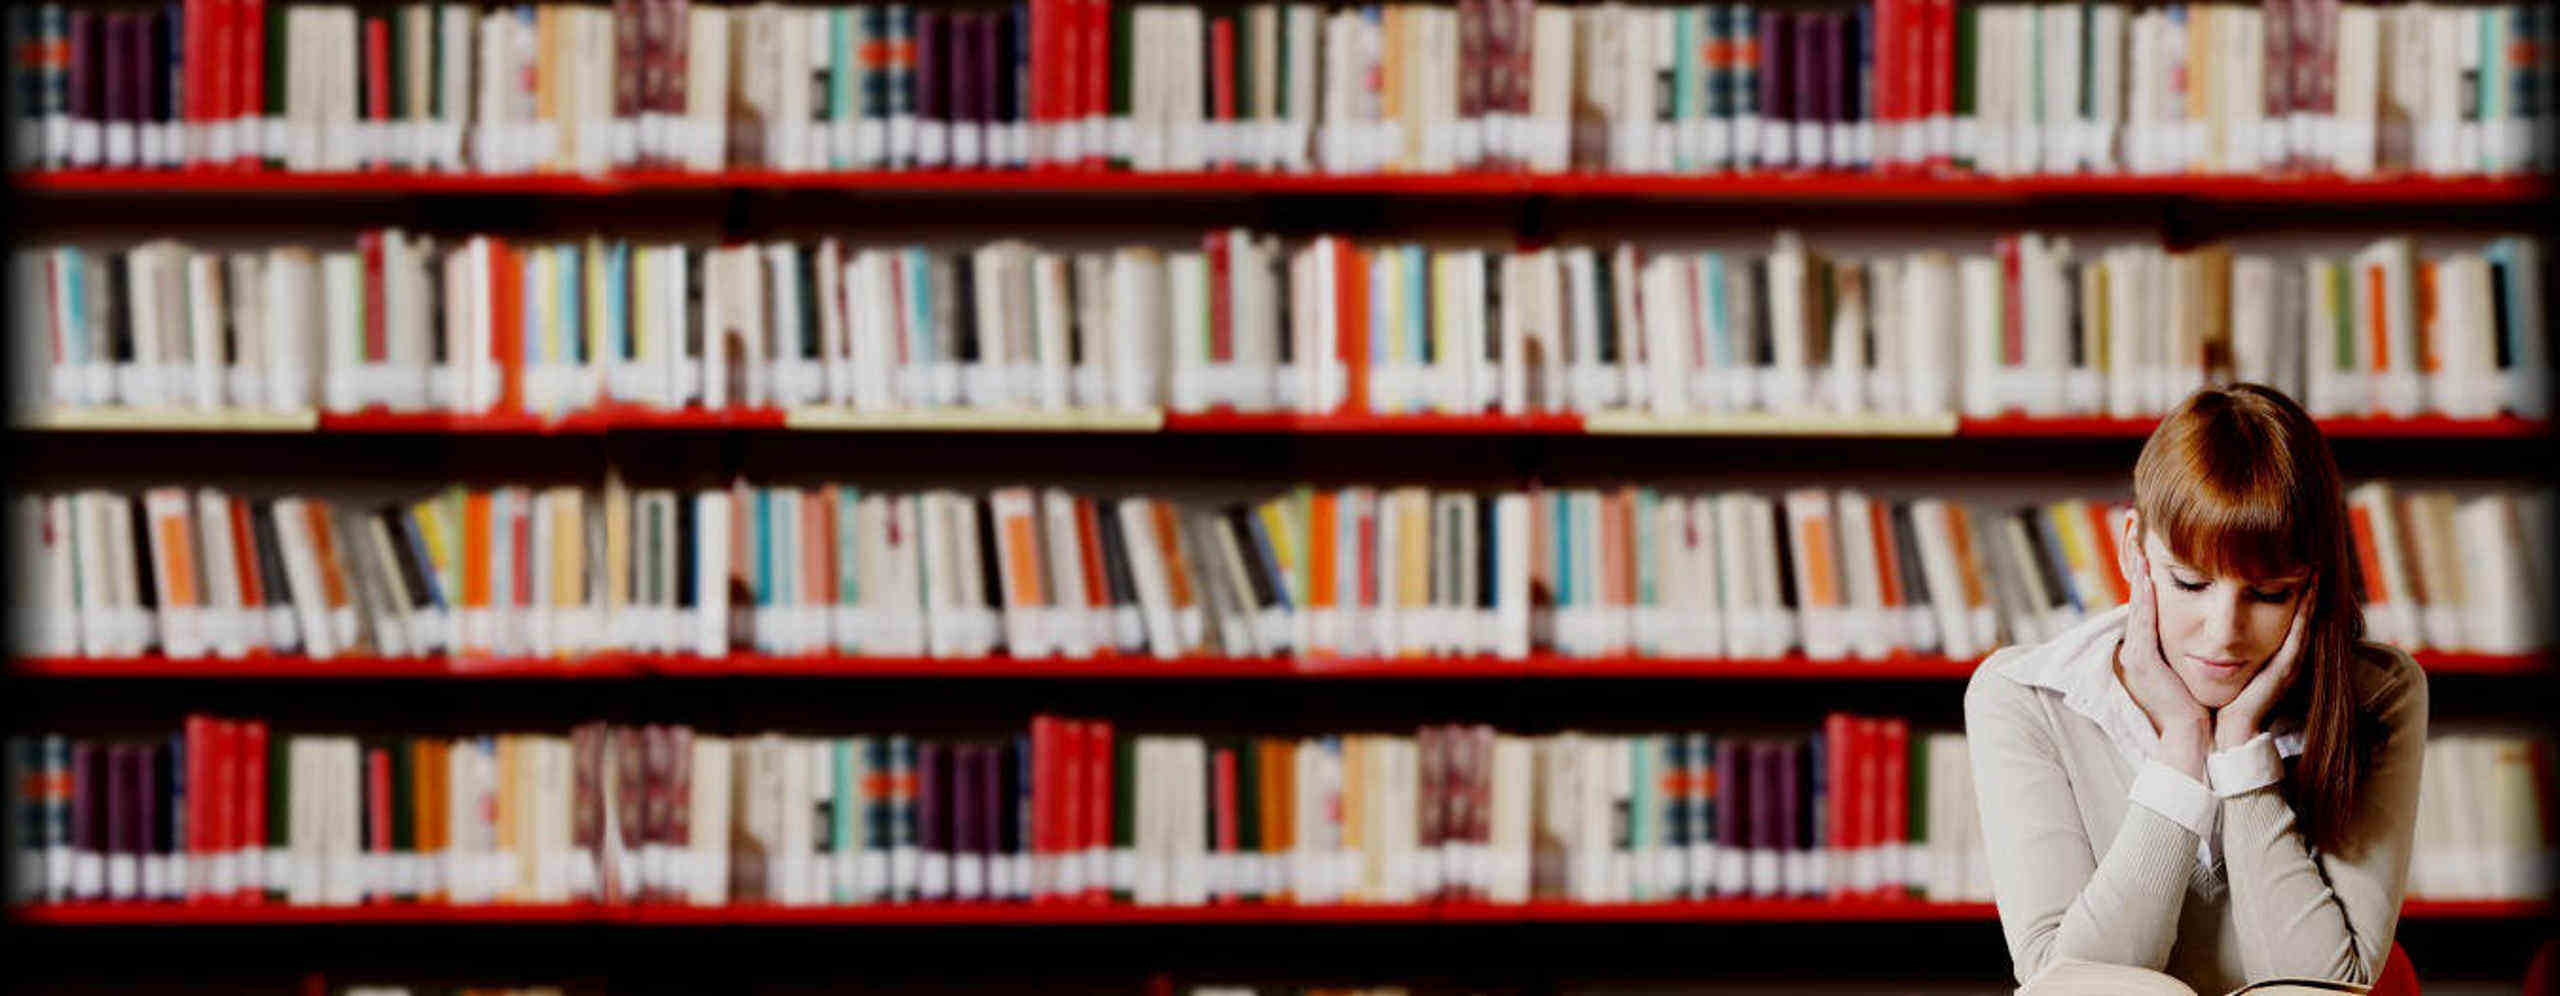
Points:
x=2331 y=916
x=2059 y=895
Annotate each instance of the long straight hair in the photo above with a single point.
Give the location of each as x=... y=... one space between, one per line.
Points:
x=2238 y=481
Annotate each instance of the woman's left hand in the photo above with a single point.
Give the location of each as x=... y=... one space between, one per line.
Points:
x=2241 y=719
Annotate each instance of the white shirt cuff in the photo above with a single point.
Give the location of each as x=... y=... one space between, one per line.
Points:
x=2247 y=768
x=2171 y=793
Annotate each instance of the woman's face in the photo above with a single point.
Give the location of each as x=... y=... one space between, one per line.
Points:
x=2216 y=631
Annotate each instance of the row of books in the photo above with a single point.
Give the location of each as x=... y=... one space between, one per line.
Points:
x=1242 y=321
x=2002 y=88
x=1042 y=572
x=1068 y=809
x=2485 y=820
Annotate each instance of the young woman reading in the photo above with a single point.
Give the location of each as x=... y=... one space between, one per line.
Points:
x=2217 y=780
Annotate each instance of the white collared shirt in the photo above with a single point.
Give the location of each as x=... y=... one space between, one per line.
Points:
x=2079 y=663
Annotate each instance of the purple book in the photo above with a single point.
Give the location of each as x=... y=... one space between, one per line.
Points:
x=961 y=105
x=84 y=65
x=155 y=839
x=1769 y=807
x=991 y=803
x=967 y=865
x=1777 y=93
x=117 y=57
x=1836 y=69
x=121 y=806
x=88 y=804
x=933 y=65
x=1733 y=793
x=987 y=27
x=933 y=805
x=1810 y=78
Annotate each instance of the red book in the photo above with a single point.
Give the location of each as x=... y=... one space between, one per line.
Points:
x=222 y=804
x=1888 y=557
x=196 y=839
x=250 y=80
x=1894 y=758
x=1097 y=810
x=195 y=31
x=1070 y=795
x=221 y=70
x=1874 y=831
x=1939 y=56
x=1097 y=79
x=377 y=80
x=1221 y=334
x=1044 y=794
x=1837 y=767
x=1223 y=783
x=377 y=343
x=2013 y=326
x=506 y=342
x=1222 y=84
x=1351 y=311
x=244 y=555
x=1097 y=586
x=377 y=812
x=1069 y=74
x=253 y=808
x=2105 y=532
x=523 y=548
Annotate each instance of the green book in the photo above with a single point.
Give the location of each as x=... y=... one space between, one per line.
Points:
x=1248 y=818
x=1684 y=78
x=1124 y=801
x=1123 y=25
x=404 y=839
x=279 y=808
x=1968 y=22
x=1916 y=806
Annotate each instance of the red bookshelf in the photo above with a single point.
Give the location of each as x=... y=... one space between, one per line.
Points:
x=1538 y=666
x=1806 y=187
x=2418 y=427
x=642 y=418
x=1046 y=914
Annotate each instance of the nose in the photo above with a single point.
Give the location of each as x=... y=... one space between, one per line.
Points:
x=2222 y=621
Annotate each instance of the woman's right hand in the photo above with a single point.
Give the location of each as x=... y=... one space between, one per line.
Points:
x=2185 y=726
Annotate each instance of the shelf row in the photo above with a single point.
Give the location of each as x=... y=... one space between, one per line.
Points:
x=1539 y=666
x=636 y=418
x=1801 y=187
x=1069 y=913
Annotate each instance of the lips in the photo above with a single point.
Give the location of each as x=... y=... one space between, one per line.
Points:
x=2219 y=664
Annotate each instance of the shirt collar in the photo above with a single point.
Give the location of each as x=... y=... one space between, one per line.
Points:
x=2079 y=664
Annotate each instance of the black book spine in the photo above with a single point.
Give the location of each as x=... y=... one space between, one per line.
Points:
x=964 y=309
x=688 y=582
x=1786 y=557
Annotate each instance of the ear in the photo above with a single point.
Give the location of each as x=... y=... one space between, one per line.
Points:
x=2131 y=562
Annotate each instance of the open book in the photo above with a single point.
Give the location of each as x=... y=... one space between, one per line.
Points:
x=2087 y=978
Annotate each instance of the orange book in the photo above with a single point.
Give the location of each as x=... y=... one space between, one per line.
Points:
x=244 y=557
x=1322 y=552
x=2426 y=316
x=1823 y=590
x=1960 y=529
x=2368 y=555
x=1097 y=583
x=818 y=540
x=2376 y=305
x=2111 y=569
x=475 y=550
x=1177 y=568
x=1621 y=511
x=1351 y=308
x=1888 y=555
x=324 y=541
x=178 y=586
x=1022 y=559
x=506 y=308
x=422 y=797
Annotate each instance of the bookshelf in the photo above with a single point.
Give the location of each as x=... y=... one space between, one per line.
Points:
x=1538 y=667
x=1809 y=188
x=1737 y=911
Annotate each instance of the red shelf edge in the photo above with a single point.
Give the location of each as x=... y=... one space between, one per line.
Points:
x=2358 y=427
x=630 y=665
x=1710 y=911
x=1809 y=186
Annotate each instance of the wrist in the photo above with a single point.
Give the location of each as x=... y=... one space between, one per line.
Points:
x=2231 y=731
x=2183 y=745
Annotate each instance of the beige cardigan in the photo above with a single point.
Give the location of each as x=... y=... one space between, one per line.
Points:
x=2083 y=871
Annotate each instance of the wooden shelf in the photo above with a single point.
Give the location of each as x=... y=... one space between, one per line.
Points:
x=1901 y=667
x=1062 y=913
x=639 y=418
x=1798 y=187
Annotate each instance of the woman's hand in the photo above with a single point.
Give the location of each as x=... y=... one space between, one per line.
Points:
x=2234 y=724
x=2185 y=725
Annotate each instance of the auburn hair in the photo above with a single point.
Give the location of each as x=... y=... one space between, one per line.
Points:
x=2238 y=481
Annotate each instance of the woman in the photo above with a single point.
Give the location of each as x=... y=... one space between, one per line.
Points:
x=2218 y=779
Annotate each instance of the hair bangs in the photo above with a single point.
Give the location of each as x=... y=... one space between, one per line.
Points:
x=2224 y=499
